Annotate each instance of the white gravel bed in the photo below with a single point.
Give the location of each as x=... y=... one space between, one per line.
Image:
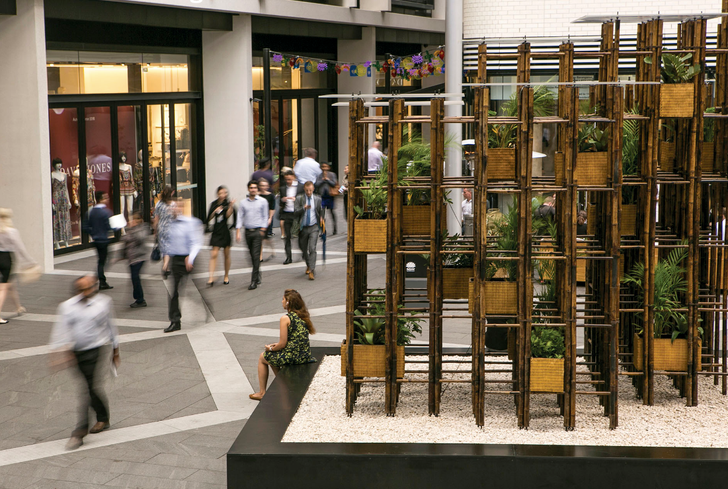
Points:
x=322 y=418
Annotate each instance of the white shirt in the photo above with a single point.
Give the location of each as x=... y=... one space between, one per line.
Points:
x=375 y=159
x=291 y=191
x=253 y=213
x=468 y=207
x=84 y=325
x=184 y=237
x=307 y=170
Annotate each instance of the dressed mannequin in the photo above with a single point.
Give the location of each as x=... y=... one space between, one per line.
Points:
x=139 y=180
x=127 y=190
x=61 y=205
x=90 y=188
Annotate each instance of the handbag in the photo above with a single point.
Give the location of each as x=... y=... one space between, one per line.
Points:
x=156 y=254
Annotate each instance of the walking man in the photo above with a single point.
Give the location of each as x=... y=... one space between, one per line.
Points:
x=307 y=169
x=97 y=226
x=288 y=199
x=184 y=243
x=308 y=210
x=374 y=157
x=253 y=215
x=327 y=187
x=85 y=324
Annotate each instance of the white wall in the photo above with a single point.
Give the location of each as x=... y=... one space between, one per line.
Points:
x=25 y=184
x=355 y=51
x=228 y=88
x=516 y=18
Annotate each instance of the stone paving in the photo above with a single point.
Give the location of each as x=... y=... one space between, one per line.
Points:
x=180 y=399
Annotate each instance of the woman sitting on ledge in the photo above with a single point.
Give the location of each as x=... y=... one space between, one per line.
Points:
x=293 y=348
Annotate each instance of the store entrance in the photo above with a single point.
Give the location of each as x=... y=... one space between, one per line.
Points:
x=130 y=152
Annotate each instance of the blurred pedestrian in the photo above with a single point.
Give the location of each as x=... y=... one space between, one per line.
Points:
x=253 y=215
x=135 y=252
x=11 y=246
x=264 y=192
x=374 y=157
x=581 y=224
x=163 y=214
x=287 y=212
x=85 y=324
x=308 y=211
x=264 y=171
x=97 y=226
x=218 y=224
x=307 y=169
x=467 y=207
x=327 y=187
x=293 y=346
x=184 y=240
x=344 y=191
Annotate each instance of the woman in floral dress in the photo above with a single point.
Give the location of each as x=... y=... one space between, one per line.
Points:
x=293 y=347
x=162 y=217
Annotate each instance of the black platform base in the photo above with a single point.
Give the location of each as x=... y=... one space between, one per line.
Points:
x=259 y=459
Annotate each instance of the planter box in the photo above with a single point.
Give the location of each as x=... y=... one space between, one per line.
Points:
x=667 y=156
x=501 y=164
x=628 y=224
x=370 y=360
x=707 y=159
x=455 y=283
x=502 y=297
x=547 y=375
x=671 y=356
x=370 y=235
x=416 y=220
x=591 y=169
x=677 y=100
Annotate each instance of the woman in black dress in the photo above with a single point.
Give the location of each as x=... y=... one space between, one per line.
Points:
x=217 y=221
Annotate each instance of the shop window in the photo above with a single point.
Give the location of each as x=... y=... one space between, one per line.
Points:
x=284 y=77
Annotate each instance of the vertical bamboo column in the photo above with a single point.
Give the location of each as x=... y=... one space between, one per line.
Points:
x=480 y=238
x=721 y=136
x=356 y=152
x=394 y=222
x=437 y=131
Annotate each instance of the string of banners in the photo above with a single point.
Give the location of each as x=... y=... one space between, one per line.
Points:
x=415 y=66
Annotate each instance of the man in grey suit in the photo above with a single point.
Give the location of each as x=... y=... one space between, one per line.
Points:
x=308 y=211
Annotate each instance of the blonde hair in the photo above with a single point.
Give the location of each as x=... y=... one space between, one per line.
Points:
x=6 y=221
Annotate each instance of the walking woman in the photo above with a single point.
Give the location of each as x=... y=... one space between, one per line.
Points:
x=10 y=244
x=162 y=216
x=293 y=347
x=217 y=220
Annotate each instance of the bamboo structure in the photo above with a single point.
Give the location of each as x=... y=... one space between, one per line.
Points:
x=672 y=197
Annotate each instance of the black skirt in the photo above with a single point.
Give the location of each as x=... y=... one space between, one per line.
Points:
x=221 y=237
x=6 y=263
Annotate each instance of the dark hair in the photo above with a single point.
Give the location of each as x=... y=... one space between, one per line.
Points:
x=56 y=161
x=167 y=194
x=581 y=217
x=264 y=163
x=221 y=187
x=289 y=172
x=99 y=194
x=296 y=304
x=307 y=184
x=253 y=182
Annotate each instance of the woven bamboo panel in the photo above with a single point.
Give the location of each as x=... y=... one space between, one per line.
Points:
x=667 y=156
x=370 y=236
x=416 y=220
x=501 y=164
x=456 y=283
x=591 y=219
x=677 y=100
x=581 y=271
x=547 y=375
x=708 y=158
x=559 y=167
x=501 y=298
x=370 y=360
x=591 y=169
x=671 y=356
x=628 y=224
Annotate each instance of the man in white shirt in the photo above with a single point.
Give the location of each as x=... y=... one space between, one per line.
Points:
x=467 y=212
x=254 y=216
x=375 y=157
x=288 y=197
x=307 y=169
x=85 y=324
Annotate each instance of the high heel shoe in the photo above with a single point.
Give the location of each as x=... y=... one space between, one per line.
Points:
x=226 y=282
x=22 y=310
x=210 y=284
x=3 y=321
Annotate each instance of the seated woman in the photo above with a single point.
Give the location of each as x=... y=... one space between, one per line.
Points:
x=293 y=348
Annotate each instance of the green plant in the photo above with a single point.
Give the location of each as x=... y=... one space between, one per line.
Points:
x=591 y=138
x=630 y=144
x=547 y=342
x=670 y=282
x=676 y=69
x=374 y=192
x=373 y=328
x=456 y=260
x=369 y=331
x=506 y=135
x=505 y=233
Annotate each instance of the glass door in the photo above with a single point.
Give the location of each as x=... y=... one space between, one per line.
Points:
x=186 y=182
x=158 y=149
x=131 y=160
x=68 y=203
x=99 y=162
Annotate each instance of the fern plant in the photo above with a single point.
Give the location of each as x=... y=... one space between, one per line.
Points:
x=506 y=135
x=505 y=233
x=591 y=138
x=630 y=144
x=372 y=329
x=676 y=69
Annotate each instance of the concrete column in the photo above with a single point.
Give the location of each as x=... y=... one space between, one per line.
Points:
x=355 y=52
x=25 y=170
x=454 y=84
x=227 y=58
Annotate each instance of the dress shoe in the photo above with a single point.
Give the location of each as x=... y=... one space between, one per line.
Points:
x=74 y=442
x=308 y=270
x=105 y=286
x=310 y=276
x=99 y=427
x=288 y=261
x=259 y=281
x=173 y=327
x=134 y=305
x=252 y=286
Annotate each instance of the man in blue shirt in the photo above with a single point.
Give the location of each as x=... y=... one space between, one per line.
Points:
x=308 y=210
x=97 y=226
x=184 y=243
x=254 y=216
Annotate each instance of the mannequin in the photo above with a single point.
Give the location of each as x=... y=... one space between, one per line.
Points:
x=90 y=188
x=127 y=189
x=139 y=181
x=61 y=205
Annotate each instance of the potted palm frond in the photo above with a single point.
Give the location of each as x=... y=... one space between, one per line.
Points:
x=369 y=351
x=370 y=226
x=630 y=157
x=670 y=323
x=677 y=92
x=414 y=160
